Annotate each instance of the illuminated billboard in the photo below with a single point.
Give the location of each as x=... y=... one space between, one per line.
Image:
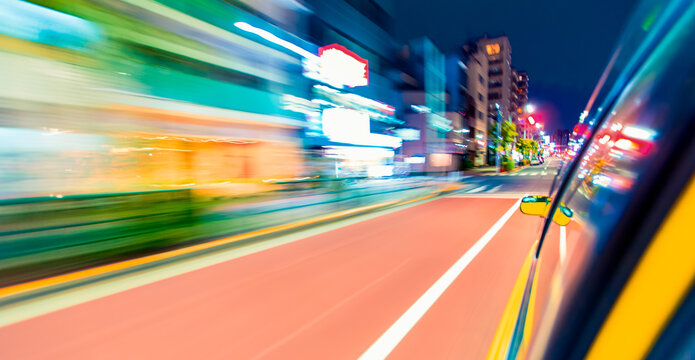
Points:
x=352 y=127
x=339 y=122
x=338 y=67
x=407 y=134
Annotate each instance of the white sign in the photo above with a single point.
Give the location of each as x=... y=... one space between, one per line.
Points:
x=408 y=134
x=338 y=67
x=415 y=160
x=352 y=127
x=340 y=122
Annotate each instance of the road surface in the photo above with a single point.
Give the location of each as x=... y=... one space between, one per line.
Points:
x=427 y=281
x=535 y=179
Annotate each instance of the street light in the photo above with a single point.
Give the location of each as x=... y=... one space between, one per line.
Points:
x=530 y=108
x=539 y=126
x=531 y=120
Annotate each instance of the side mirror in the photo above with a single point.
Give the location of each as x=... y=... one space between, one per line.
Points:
x=535 y=205
x=540 y=205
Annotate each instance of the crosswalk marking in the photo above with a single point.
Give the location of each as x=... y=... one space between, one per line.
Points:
x=477 y=190
x=521 y=172
x=496 y=188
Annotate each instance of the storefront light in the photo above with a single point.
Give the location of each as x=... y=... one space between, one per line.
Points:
x=415 y=160
x=357 y=153
x=274 y=39
x=370 y=140
x=352 y=127
x=380 y=170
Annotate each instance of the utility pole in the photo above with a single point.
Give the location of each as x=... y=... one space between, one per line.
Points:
x=499 y=138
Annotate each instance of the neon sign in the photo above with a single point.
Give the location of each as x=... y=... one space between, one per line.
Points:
x=338 y=67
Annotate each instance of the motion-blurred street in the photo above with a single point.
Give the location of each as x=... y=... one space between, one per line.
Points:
x=367 y=285
x=535 y=179
x=346 y=179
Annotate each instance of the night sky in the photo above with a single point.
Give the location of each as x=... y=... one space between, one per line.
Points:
x=562 y=44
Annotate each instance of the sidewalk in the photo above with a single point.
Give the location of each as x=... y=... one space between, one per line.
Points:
x=92 y=231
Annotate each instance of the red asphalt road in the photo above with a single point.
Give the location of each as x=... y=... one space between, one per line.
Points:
x=328 y=296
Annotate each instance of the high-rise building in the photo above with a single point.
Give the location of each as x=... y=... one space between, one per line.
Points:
x=513 y=105
x=498 y=52
x=521 y=80
x=520 y=95
x=475 y=87
x=494 y=87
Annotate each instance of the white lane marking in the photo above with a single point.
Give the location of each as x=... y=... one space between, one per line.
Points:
x=534 y=173
x=393 y=336
x=477 y=190
x=523 y=174
x=495 y=189
x=563 y=244
x=544 y=173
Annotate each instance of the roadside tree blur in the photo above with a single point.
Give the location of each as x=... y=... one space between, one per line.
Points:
x=527 y=147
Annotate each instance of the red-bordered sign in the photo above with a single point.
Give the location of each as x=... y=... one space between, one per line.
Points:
x=340 y=66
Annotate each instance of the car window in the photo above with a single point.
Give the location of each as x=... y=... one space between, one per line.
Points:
x=636 y=149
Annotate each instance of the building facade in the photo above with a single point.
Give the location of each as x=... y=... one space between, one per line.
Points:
x=427 y=108
x=350 y=132
x=498 y=52
x=494 y=90
x=475 y=89
x=520 y=80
